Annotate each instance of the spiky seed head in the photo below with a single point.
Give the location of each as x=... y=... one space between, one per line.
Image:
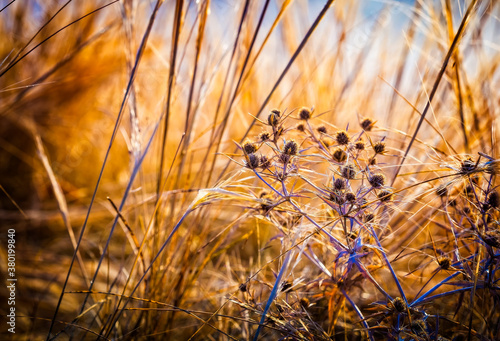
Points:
x=385 y=195
x=467 y=166
x=249 y=147
x=379 y=147
x=291 y=148
x=286 y=286
x=367 y=124
x=492 y=238
x=419 y=327
x=276 y=112
x=283 y=158
x=493 y=199
x=273 y=119
x=300 y=127
x=337 y=198
x=350 y=196
x=377 y=180
x=339 y=184
x=322 y=129
x=264 y=136
x=342 y=137
x=369 y=217
x=304 y=113
x=469 y=191
x=265 y=163
x=373 y=161
x=442 y=190
x=304 y=302
x=253 y=161
x=339 y=155
x=243 y=287
x=444 y=262
x=492 y=167
x=348 y=171
x=398 y=304
x=359 y=145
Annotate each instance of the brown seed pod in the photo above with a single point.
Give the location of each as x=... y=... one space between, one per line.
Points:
x=249 y=147
x=377 y=180
x=291 y=148
x=348 y=171
x=379 y=147
x=367 y=124
x=339 y=155
x=342 y=137
x=304 y=113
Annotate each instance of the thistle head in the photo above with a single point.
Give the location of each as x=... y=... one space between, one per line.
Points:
x=304 y=113
x=339 y=184
x=253 y=161
x=339 y=155
x=264 y=136
x=348 y=171
x=359 y=145
x=385 y=195
x=249 y=147
x=291 y=148
x=377 y=180
x=342 y=137
x=322 y=130
x=273 y=118
x=379 y=147
x=367 y=124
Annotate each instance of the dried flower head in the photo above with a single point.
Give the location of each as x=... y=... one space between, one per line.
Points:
x=367 y=124
x=284 y=158
x=350 y=196
x=467 y=166
x=342 y=137
x=379 y=147
x=291 y=148
x=264 y=136
x=444 y=262
x=300 y=127
x=419 y=328
x=373 y=161
x=339 y=184
x=273 y=118
x=385 y=195
x=253 y=161
x=304 y=113
x=369 y=217
x=442 y=190
x=286 y=286
x=322 y=129
x=249 y=147
x=304 y=302
x=243 y=287
x=265 y=162
x=339 y=155
x=377 y=180
x=348 y=171
x=398 y=304
x=492 y=238
x=359 y=145
x=493 y=199
x=337 y=198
